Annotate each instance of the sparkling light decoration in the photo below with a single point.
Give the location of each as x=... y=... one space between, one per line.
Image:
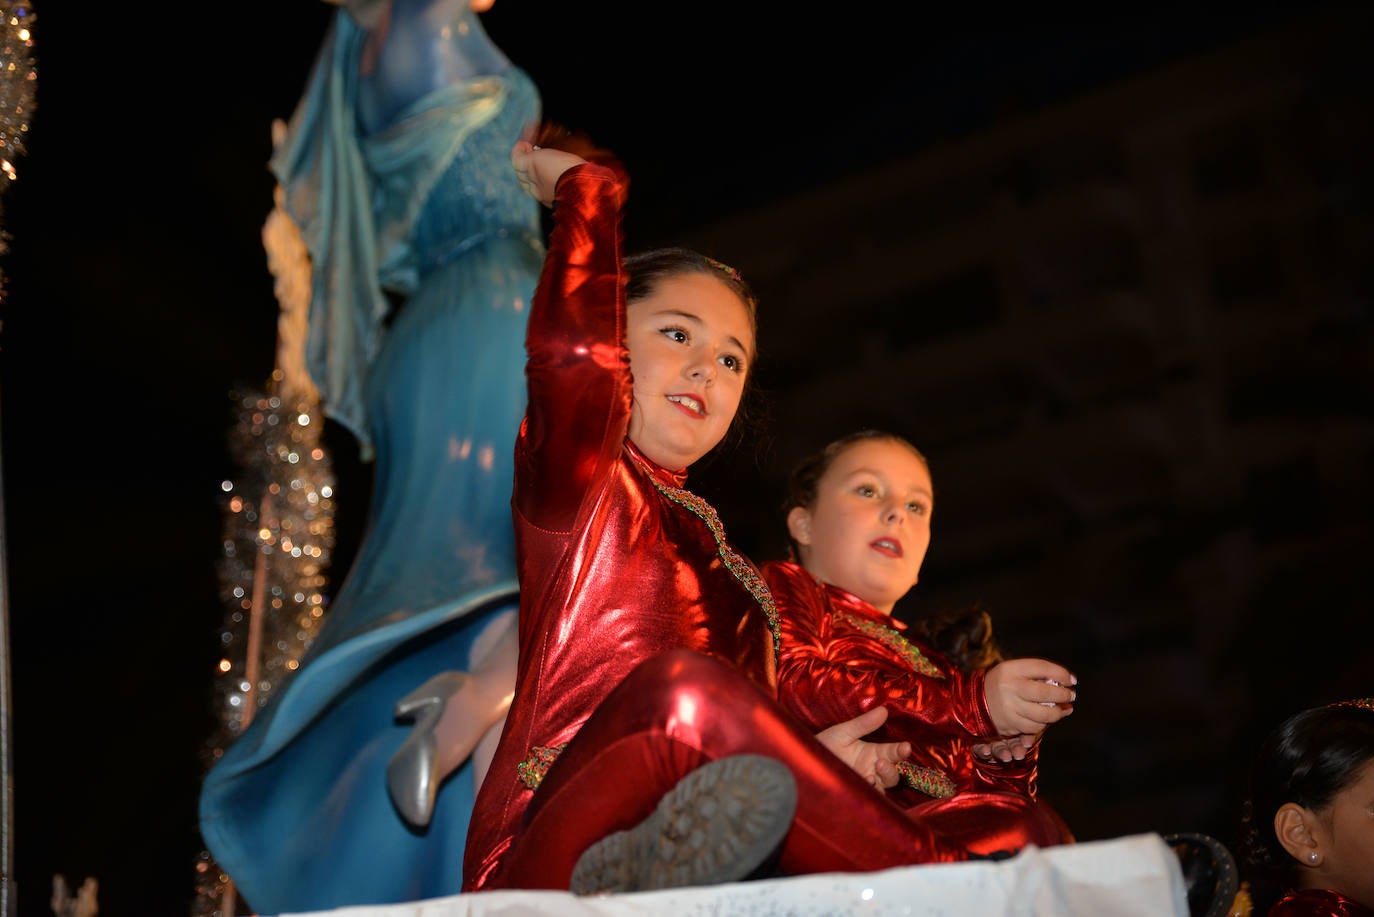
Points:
x=278 y=532
x=278 y=535
x=277 y=541
x=18 y=81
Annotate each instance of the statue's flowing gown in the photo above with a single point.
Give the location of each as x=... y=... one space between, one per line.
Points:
x=297 y=811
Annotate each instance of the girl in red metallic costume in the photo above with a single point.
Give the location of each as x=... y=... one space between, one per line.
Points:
x=1307 y=828
x=858 y=516
x=647 y=643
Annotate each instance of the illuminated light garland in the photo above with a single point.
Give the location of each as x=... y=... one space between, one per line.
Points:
x=278 y=538
x=18 y=82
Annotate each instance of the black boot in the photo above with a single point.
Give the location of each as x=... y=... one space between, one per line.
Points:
x=718 y=824
x=1209 y=873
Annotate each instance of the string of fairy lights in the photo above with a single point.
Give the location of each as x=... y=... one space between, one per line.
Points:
x=18 y=84
x=278 y=533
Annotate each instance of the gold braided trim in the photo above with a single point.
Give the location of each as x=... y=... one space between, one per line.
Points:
x=927 y=780
x=537 y=763
x=740 y=568
x=896 y=641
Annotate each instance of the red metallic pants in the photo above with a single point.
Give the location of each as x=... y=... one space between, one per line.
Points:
x=683 y=709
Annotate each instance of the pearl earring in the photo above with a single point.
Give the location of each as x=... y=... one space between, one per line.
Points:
x=1313 y=856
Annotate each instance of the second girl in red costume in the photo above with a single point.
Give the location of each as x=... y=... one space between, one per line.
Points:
x=858 y=517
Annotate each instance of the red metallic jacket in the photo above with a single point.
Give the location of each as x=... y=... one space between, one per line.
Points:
x=841 y=656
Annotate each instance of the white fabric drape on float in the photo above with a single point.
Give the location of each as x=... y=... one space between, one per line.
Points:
x=1133 y=876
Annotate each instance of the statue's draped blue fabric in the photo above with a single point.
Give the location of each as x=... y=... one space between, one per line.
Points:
x=297 y=811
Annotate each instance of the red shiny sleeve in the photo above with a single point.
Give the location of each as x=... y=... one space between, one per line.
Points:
x=1317 y=902
x=828 y=674
x=577 y=367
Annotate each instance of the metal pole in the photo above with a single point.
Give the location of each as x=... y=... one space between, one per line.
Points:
x=7 y=887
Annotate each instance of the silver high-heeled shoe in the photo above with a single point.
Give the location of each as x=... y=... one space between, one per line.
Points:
x=412 y=774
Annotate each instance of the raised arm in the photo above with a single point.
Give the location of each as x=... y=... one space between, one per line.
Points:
x=577 y=367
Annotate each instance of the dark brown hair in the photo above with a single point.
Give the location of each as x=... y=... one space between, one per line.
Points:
x=1308 y=759
x=647 y=269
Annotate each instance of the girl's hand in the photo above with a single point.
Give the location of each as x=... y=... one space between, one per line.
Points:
x=1005 y=749
x=539 y=168
x=1026 y=695
x=876 y=762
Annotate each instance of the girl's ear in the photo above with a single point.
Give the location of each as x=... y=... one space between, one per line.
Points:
x=1295 y=826
x=799 y=524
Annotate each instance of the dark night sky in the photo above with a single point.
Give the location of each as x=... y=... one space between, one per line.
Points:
x=138 y=298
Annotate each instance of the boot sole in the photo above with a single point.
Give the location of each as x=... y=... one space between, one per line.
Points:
x=718 y=824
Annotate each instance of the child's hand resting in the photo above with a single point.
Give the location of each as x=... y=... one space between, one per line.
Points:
x=876 y=762
x=1005 y=749
x=1026 y=695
